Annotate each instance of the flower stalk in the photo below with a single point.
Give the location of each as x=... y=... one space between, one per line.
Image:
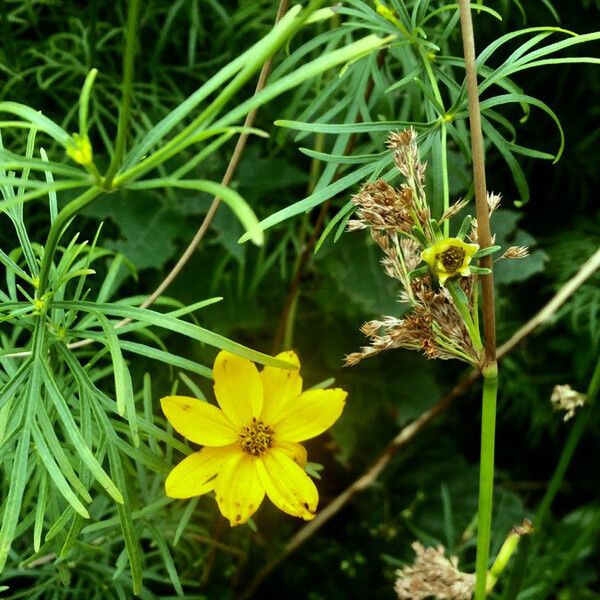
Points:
x=489 y=366
x=125 y=109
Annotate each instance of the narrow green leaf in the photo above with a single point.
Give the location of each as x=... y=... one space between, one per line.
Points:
x=151 y=317
x=55 y=474
x=84 y=101
x=40 y=122
x=75 y=435
x=317 y=198
x=124 y=512
x=163 y=550
x=486 y=251
x=123 y=387
x=236 y=203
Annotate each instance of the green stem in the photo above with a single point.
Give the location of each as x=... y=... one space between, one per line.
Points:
x=125 y=109
x=566 y=457
x=445 y=183
x=460 y=302
x=56 y=231
x=444 y=137
x=486 y=477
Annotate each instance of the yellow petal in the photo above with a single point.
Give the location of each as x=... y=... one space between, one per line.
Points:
x=470 y=249
x=239 y=489
x=443 y=277
x=280 y=386
x=465 y=271
x=295 y=451
x=287 y=485
x=199 y=421
x=238 y=388
x=309 y=415
x=196 y=474
x=428 y=255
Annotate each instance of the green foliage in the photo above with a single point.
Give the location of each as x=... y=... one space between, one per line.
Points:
x=84 y=450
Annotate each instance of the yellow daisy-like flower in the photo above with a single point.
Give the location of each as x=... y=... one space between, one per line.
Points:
x=251 y=443
x=449 y=257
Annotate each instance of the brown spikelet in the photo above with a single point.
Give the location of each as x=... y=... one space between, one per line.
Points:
x=515 y=252
x=453 y=210
x=432 y=575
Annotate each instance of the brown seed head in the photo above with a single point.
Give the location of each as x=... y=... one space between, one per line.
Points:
x=516 y=252
x=432 y=575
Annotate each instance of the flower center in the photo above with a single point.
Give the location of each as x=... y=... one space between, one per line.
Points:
x=256 y=437
x=452 y=258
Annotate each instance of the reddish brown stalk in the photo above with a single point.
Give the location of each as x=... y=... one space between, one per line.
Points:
x=477 y=151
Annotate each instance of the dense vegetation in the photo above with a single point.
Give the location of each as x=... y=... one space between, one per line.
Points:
x=333 y=97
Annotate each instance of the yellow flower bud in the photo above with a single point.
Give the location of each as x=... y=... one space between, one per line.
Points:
x=79 y=149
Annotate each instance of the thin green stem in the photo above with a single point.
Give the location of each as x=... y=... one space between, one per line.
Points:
x=486 y=479
x=445 y=182
x=56 y=231
x=125 y=108
x=558 y=476
x=444 y=138
x=460 y=302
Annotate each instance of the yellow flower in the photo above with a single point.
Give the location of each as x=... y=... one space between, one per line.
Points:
x=79 y=148
x=449 y=257
x=251 y=443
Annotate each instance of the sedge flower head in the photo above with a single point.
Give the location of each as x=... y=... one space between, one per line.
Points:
x=449 y=257
x=251 y=442
x=79 y=148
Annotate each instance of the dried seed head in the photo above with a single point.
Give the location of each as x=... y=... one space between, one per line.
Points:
x=433 y=575
x=381 y=207
x=453 y=210
x=399 y=139
x=493 y=201
x=516 y=252
x=564 y=397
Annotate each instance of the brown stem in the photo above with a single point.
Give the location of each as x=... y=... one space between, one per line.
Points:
x=477 y=151
x=310 y=244
x=410 y=431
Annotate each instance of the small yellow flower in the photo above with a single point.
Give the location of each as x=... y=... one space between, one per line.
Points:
x=79 y=148
x=251 y=443
x=449 y=257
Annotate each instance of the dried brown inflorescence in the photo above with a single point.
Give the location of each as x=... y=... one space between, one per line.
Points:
x=515 y=252
x=381 y=208
x=433 y=325
x=432 y=575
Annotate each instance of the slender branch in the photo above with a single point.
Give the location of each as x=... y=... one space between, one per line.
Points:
x=566 y=291
x=63 y=217
x=125 y=108
x=409 y=432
